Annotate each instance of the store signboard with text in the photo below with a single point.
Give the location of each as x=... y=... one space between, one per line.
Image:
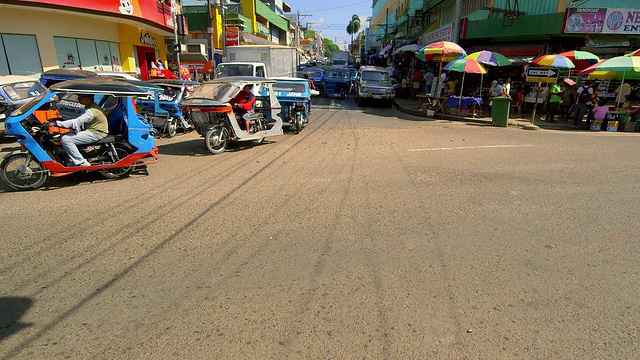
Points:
x=602 y=21
x=150 y=10
x=442 y=34
x=233 y=36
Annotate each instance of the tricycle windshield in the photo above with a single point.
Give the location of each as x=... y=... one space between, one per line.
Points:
x=338 y=74
x=26 y=107
x=234 y=70
x=23 y=90
x=375 y=75
x=284 y=87
x=214 y=91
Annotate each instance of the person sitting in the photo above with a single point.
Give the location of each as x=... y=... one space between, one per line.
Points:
x=599 y=111
x=88 y=128
x=244 y=105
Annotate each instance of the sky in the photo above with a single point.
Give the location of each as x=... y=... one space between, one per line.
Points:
x=331 y=17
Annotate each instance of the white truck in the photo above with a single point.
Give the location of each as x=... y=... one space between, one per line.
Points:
x=258 y=60
x=340 y=59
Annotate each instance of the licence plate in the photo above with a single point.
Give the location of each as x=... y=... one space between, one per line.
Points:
x=377 y=96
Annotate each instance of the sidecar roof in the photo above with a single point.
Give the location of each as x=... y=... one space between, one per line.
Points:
x=115 y=88
x=242 y=80
x=174 y=82
x=68 y=74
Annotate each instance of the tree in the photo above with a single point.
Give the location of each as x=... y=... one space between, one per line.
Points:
x=329 y=48
x=353 y=28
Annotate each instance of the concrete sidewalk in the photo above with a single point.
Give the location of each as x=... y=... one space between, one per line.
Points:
x=519 y=120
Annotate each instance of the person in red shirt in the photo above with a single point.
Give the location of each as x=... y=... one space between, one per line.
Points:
x=244 y=104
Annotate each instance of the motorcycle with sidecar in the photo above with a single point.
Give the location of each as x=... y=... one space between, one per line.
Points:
x=129 y=145
x=213 y=116
x=337 y=82
x=163 y=108
x=294 y=96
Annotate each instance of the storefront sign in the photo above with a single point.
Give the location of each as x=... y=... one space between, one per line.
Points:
x=233 y=36
x=147 y=39
x=263 y=30
x=442 y=34
x=602 y=21
x=150 y=10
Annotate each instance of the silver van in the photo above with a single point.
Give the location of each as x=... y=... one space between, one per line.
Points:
x=373 y=82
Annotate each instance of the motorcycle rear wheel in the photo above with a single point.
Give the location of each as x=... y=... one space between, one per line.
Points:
x=114 y=173
x=18 y=175
x=217 y=140
x=298 y=123
x=171 y=127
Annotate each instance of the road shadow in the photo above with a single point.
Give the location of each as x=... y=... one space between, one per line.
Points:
x=12 y=309
x=74 y=179
x=197 y=147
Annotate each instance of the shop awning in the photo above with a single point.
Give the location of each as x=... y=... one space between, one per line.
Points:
x=273 y=18
x=385 y=50
x=510 y=48
x=253 y=39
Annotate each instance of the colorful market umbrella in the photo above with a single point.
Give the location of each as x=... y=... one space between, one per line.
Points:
x=489 y=58
x=441 y=50
x=581 y=59
x=464 y=66
x=634 y=53
x=619 y=65
x=558 y=61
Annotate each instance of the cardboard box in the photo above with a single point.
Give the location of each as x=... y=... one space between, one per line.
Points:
x=626 y=126
x=596 y=125
x=612 y=126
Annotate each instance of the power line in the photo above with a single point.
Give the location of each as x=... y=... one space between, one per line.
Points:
x=339 y=7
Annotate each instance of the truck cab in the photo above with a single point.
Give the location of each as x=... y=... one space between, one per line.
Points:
x=241 y=69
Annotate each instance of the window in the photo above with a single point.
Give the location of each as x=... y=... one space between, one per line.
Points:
x=22 y=55
x=88 y=54
x=375 y=76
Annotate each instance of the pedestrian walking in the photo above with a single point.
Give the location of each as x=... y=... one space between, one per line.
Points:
x=585 y=94
x=555 y=98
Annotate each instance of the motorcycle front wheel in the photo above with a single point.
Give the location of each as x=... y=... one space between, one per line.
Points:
x=217 y=140
x=114 y=173
x=22 y=172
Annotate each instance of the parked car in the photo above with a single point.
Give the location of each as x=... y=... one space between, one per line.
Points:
x=15 y=90
x=373 y=83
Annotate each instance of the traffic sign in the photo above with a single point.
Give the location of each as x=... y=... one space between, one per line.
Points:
x=535 y=74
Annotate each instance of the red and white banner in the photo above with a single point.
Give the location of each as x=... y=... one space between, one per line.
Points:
x=157 y=11
x=233 y=36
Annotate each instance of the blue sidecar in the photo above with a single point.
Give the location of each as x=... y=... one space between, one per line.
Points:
x=163 y=108
x=337 y=82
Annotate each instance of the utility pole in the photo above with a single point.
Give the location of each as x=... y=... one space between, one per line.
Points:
x=456 y=24
x=176 y=42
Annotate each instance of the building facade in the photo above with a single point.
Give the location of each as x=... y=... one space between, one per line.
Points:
x=109 y=35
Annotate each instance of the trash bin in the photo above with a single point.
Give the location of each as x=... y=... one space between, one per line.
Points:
x=500 y=110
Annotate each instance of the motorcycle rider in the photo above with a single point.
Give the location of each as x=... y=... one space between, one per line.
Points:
x=244 y=104
x=88 y=128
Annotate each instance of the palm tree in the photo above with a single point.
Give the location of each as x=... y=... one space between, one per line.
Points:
x=353 y=28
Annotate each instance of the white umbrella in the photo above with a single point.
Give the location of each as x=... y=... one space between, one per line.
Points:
x=407 y=48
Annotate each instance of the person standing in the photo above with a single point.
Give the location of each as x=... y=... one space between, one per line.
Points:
x=585 y=93
x=554 y=101
x=621 y=94
x=417 y=77
x=428 y=81
x=506 y=88
x=406 y=86
x=494 y=91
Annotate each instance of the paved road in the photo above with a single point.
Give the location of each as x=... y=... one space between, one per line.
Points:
x=365 y=236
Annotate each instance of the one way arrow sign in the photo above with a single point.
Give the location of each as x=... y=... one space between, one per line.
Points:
x=534 y=74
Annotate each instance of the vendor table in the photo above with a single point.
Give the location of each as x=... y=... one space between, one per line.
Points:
x=427 y=101
x=466 y=103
